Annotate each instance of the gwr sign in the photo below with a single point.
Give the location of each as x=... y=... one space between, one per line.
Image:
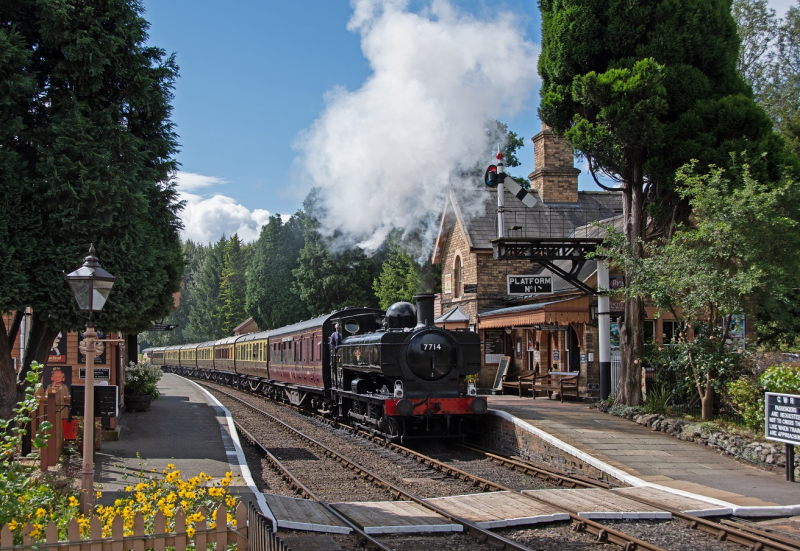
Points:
x=529 y=285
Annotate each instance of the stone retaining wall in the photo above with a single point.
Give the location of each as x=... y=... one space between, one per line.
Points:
x=493 y=432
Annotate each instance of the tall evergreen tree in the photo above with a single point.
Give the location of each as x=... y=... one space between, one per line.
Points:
x=271 y=300
x=325 y=280
x=90 y=148
x=639 y=89
x=203 y=321
x=232 y=287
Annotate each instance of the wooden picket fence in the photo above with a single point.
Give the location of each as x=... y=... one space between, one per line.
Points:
x=53 y=407
x=219 y=537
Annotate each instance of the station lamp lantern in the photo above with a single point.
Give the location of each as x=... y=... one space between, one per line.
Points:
x=90 y=284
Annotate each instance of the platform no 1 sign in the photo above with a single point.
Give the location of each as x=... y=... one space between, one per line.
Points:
x=782 y=424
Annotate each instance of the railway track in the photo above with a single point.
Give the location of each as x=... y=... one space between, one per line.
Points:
x=725 y=533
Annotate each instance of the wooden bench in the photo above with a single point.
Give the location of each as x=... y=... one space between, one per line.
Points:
x=522 y=382
x=555 y=383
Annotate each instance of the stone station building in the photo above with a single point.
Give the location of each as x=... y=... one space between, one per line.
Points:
x=539 y=332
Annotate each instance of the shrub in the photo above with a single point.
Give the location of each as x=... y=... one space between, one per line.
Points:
x=657 y=400
x=781 y=378
x=748 y=398
x=748 y=395
x=142 y=377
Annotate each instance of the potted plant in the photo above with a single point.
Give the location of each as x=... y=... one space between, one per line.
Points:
x=141 y=379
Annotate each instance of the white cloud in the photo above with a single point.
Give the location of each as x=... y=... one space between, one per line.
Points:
x=207 y=218
x=190 y=181
x=383 y=155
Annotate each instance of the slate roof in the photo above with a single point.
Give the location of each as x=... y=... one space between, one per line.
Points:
x=543 y=220
x=453 y=315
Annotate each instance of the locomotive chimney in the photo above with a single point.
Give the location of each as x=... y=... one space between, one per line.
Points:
x=424 y=309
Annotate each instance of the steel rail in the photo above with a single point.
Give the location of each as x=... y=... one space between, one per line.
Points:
x=472 y=529
x=546 y=473
x=723 y=532
x=304 y=490
x=793 y=543
x=579 y=524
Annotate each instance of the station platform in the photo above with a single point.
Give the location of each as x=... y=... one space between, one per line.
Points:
x=640 y=457
x=185 y=426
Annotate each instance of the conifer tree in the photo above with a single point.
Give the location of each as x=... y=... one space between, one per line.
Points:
x=87 y=149
x=271 y=300
x=232 y=287
x=399 y=279
x=203 y=320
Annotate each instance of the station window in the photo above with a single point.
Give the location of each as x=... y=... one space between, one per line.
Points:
x=649 y=330
x=669 y=331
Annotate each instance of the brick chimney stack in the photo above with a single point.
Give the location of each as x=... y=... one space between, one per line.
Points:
x=555 y=176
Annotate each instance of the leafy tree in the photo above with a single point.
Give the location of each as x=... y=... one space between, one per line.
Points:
x=769 y=60
x=87 y=151
x=639 y=89
x=271 y=300
x=730 y=259
x=399 y=279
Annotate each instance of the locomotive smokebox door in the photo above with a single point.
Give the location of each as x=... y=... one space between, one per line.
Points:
x=431 y=355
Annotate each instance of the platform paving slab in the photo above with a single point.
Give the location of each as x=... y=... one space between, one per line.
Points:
x=498 y=509
x=183 y=427
x=618 y=443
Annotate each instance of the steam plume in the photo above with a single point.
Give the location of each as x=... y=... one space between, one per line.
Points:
x=383 y=156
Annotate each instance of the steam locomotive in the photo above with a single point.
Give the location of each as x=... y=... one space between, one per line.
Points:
x=394 y=373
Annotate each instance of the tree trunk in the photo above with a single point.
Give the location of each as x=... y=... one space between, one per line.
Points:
x=708 y=400
x=37 y=349
x=8 y=383
x=632 y=332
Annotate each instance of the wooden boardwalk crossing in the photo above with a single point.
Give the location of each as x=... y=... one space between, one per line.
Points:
x=304 y=514
x=680 y=503
x=593 y=503
x=395 y=517
x=498 y=509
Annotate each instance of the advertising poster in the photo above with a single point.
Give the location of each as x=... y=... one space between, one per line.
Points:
x=58 y=352
x=614 y=334
x=57 y=376
x=99 y=349
x=737 y=332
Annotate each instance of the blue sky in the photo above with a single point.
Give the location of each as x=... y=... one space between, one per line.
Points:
x=265 y=85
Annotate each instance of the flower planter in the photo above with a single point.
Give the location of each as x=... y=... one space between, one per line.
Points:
x=137 y=403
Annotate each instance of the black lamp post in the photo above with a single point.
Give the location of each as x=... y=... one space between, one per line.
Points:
x=90 y=285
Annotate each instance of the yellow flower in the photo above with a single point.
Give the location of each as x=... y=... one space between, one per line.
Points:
x=170 y=466
x=99 y=494
x=13 y=525
x=212 y=525
x=40 y=512
x=73 y=501
x=190 y=532
x=229 y=474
